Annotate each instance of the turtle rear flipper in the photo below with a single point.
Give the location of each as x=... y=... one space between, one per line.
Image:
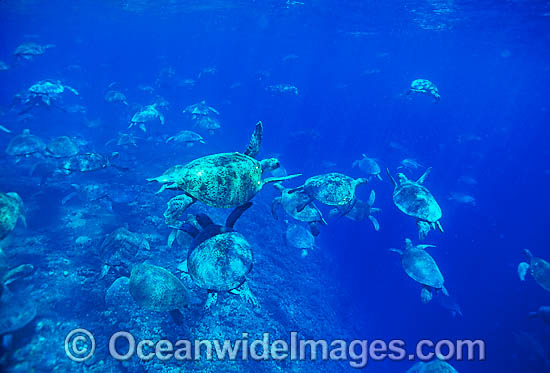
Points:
x=236 y=214
x=398 y=251
x=426 y=294
x=255 y=141
x=246 y=294
x=302 y=206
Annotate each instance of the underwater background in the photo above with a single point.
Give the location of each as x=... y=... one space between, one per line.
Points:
x=347 y=67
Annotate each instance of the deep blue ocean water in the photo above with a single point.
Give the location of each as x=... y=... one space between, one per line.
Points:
x=352 y=63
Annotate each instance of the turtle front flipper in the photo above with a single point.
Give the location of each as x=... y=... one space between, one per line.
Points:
x=255 y=141
x=391 y=178
x=422 y=178
x=374 y=222
x=300 y=207
x=522 y=270
x=236 y=214
x=277 y=179
x=372 y=198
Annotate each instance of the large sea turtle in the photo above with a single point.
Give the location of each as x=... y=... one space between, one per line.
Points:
x=62 y=147
x=25 y=144
x=425 y=87
x=88 y=162
x=369 y=166
x=45 y=93
x=116 y=97
x=200 y=109
x=415 y=200
x=290 y=203
x=361 y=211
x=422 y=268
x=186 y=137
x=333 y=189
x=156 y=289
x=538 y=268
x=299 y=237
x=208 y=124
x=223 y=180
x=11 y=210
x=220 y=258
x=147 y=114
x=29 y=50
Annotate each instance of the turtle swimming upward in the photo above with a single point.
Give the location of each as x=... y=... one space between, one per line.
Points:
x=415 y=200
x=224 y=180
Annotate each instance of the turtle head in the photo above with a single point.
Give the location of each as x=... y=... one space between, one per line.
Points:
x=402 y=178
x=270 y=164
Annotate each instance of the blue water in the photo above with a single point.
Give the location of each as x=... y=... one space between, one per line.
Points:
x=352 y=62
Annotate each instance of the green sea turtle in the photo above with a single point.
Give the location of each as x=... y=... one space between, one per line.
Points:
x=425 y=87
x=25 y=144
x=369 y=166
x=538 y=268
x=175 y=207
x=156 y=289
x=291 y=201
x=11 y=210
x=333 y=189
x=207 y=123
x=88 y=162
x=200 y=109
x=29 y=50
x=119 y=248
x=147 y=114
x=422 y=268
x=124 y=140
x=62 y=147
x=220 y=258
x=223 y=180
x=415 y=200
x=189 y=138
x=299 y=237
x=116 y=97
x=47 y=93
x=361 y=211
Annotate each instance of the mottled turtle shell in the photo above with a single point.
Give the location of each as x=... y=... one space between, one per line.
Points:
x=62 y=147
x=86 y=162
x=221 y=263
x=416 y=200
x=421 y=267
x=24 y=144
x=15 y=312
x=11 y=209
x=368 y=165
x=156 y=289
x=333 y=189
x=207 y=123
x=222 y=180
x=299 y=237
x=186 y=136
x=540 y=270
x=149 y=113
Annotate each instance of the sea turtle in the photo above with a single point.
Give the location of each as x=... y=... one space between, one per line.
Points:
x=223 y=180
x=360 y=211
x=291 y=201
x=220 y=258
x=88 y=162
x=27 y=51
x=25 y=144
x=369 y=166
x=543 y=313
x=62 y=147
x=434 y=366
x=45 y=93
x=11 y=210
x=147 y=114
x=422 y=268
x=124 y=140
x=119 y=248
x=207 y=123
x=415 y=200
x=333 y=189
x=189 y=138
x=425 y=87
x=538 y=268
x=175 y=207
x=299 y=237
x=200 y=109
x=410 y=164
x=156 y=289
x=116 y=97
x=283 y=89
